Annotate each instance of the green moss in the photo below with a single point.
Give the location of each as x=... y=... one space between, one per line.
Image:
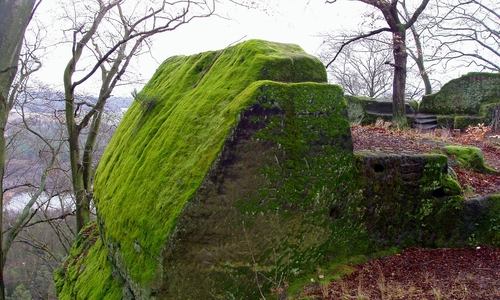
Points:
x=462 y=122
x=155 y=163
x=445 y=121
x=450 y=185
x=470 y=158
x=87 y=274
x=464 y=95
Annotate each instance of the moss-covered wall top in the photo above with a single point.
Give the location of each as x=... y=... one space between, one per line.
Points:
x=464 y=95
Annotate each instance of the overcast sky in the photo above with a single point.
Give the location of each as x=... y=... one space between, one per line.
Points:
x=289 y=21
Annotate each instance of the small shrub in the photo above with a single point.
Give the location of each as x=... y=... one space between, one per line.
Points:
x=381 y=123
x=147 y=103
x=355 y=112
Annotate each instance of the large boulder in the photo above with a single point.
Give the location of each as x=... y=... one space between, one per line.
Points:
x=224 y=169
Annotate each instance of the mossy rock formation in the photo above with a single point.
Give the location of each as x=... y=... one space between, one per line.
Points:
x=465 y=101
x=470 y=158
x=225 y=166
x=234 y=171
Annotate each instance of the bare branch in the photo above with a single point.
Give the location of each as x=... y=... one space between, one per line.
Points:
x=354 y=39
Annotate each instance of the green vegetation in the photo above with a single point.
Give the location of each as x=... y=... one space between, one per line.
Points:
x=150 y=171
x=87 y=273
x=464 y=95
x=470 y=158
x=465 y=101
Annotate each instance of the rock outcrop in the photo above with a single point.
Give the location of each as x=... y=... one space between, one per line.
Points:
x=225 y=167
x=233 y=173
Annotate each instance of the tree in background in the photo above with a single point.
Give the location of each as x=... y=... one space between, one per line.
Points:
x=418 y=54
x=468 y=33
x=14 y=18
x=391 y=14
x=105 y=36
x=361 y=67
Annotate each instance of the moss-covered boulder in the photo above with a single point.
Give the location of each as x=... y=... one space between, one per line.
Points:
x=409 y=200
x=467 y=101
x=233 y=173
x=482 y=220
x=223 y=172
x=464 y=95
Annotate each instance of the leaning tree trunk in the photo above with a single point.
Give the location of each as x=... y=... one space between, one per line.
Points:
x=77 y=170
x=399 y=83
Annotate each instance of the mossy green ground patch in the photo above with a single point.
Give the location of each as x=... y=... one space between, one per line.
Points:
x=470 y=158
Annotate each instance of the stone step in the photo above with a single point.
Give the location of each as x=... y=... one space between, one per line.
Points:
x=425 y=121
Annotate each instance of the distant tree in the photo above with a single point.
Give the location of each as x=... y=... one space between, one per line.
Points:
x=468 y=33
x=361 y=67
x=391 y=14
x=106 y=35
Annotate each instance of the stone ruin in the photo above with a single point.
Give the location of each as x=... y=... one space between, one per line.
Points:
x=472 y=99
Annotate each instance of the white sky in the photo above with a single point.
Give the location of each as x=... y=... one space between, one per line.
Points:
x=289 y=21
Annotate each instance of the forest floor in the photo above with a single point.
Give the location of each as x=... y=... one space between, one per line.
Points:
x=417 y=273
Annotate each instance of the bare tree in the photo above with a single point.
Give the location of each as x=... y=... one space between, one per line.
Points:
x=360 y=68
x=105 y=36
x=391 y=13
x=418 y=54
x=30 y=169
x=14 y=18
x=468 y=33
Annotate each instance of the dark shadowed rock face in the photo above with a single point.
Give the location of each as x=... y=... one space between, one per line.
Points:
x=406 y=198
x=264 y=205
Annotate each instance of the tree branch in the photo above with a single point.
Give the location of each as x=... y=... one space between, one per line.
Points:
x=359 y=37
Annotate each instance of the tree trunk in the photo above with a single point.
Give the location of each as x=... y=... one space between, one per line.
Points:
x=77 y=170
x=419 y=60
x=14 y=18
x=399 y=83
